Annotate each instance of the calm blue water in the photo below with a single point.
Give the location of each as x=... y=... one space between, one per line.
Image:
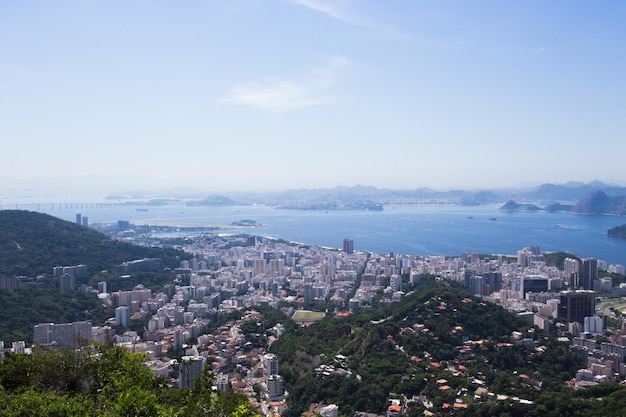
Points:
x=411 y=230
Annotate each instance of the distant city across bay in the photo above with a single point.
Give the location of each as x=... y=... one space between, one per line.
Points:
x=421 y=229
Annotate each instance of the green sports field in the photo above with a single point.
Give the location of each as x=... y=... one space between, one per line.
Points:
x=307 y=315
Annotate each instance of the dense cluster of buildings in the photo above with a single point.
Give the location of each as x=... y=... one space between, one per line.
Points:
x=233 y=273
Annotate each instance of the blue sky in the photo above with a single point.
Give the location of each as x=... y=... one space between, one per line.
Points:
x=261 y=95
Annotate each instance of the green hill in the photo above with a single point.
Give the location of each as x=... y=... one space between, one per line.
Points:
x=33 y=243
x=25 y=307
x=437 y=333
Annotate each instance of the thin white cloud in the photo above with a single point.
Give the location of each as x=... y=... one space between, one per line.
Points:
x=339 y=10
x=274 y=94
x=331 y=9
x=541 y=50
x=234 y=6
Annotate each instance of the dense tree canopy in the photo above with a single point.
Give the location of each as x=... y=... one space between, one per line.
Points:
x=105 y=381
x=386 y=354
x=24 y=308
x=33 y=243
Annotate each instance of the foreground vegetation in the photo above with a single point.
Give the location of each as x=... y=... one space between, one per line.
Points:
x=105 y=381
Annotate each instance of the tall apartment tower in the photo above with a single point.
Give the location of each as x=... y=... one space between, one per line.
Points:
x=570 y=266
x=190 y=368
x=589 y=273
x=259 y=266
x=348 y=246
x=222 y=382
x=67 y=282
x=308 y=293
x=576 y=305
x=275 y=388
x=79 y=218
x=271 y=364
x=122 y=316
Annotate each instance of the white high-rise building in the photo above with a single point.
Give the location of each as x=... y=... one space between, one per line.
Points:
x=271 y=364
x=594 y=324
x=570 y=266
x=274 y=387
x=122 y=316
x=19 y=347
x=222 y=382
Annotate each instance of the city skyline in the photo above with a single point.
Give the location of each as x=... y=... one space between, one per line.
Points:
x=263 y=95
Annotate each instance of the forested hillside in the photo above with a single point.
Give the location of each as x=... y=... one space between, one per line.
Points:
x=33 y=243
x=24 y=308
x=438 y=333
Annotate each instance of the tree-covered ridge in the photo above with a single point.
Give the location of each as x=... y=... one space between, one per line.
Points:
x=103 y=381
x=40 y=301
x=22 y=309
x=33 y=243
x=438 y=332
x=558 y=259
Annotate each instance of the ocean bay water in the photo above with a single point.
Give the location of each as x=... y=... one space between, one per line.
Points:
x=426 y=229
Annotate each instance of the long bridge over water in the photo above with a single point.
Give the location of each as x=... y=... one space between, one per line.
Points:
x=60 y=206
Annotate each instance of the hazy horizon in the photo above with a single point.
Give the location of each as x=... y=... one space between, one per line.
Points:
x=266 y=95
x=51 y=190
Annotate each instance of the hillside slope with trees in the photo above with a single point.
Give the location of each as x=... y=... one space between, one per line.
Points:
x=438 y=333
x=33 y=243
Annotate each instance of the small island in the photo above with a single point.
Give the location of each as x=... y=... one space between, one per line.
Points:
x=245 y=223
x=618 y=231
x=513 y=206
x=558 y=207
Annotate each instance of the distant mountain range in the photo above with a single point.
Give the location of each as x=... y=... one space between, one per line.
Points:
x=559 y=197
x=571 y=192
